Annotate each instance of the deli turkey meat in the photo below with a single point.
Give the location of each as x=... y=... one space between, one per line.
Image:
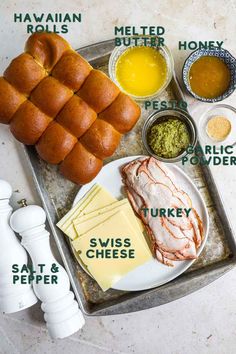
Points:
x=150 y=184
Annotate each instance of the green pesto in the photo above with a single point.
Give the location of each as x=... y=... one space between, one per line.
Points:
x=168 y=138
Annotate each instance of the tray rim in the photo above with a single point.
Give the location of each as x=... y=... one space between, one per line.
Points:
x=139 y=300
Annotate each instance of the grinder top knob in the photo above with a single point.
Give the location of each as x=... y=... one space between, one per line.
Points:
x=27 y=218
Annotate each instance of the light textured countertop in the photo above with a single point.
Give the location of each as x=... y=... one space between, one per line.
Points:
x=203 y=322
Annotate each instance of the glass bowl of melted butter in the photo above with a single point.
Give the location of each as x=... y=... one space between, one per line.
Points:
x=141 y=70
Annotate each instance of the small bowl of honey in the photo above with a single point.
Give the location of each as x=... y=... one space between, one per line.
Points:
x=210 y=74
x=141 y=70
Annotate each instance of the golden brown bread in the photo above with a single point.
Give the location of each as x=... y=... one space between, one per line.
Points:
x=123 y=113
x=80 y=166
x=98 y=91
x=10 y=101
x=55 y=143
x=101 y=139
x=63 y=125
x=24 y=73
x=29 y=123
x=72 y=70
x=50 y=96
x=76 y=116
x=46 y=48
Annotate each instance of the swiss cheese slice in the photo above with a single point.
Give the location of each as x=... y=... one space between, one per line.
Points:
x=120 y=204
x=89 y=221
x=108 y=271
x=81 y=218
x=96 y=198
x=65 y=221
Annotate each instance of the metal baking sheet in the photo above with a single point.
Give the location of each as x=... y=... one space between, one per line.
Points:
x=57 y=195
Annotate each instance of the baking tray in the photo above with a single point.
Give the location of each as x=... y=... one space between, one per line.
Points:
x=57 y=195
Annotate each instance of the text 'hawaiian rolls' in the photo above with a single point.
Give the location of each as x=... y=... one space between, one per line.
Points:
x=72 y=70
x=76 y=116
x=123 y=113
x=50 y=96
x=98 y=91
x=46 y=48
x=80 y=166
x=55 y=143
x=10 y=101
x=24 y=73
x=101 y=139
x=29 y=123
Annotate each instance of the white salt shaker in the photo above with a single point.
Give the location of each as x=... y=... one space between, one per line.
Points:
x=13 y=297
x=62 y=314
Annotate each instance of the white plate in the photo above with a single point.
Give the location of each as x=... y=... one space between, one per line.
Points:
x=152 y=273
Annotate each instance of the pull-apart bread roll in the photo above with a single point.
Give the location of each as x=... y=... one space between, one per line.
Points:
x=55 y=143
x=123 y=113
x=46 y=48
x=72 y=70
x=74 y=114
x=10 y=101
x=24 y=73
x=80 y=166
x=101 y=139
x=98 y=91
x=50 y=96
x=29 y=123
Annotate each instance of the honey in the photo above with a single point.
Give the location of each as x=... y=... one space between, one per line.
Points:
x=141 y=71
x=209 y=77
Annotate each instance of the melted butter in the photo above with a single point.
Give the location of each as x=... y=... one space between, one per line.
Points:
x=141 y=71
x=209 y=77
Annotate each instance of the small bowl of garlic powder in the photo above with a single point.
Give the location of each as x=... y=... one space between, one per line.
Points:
x=217 y=126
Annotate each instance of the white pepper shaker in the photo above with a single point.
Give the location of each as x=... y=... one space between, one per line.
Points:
x=13 y=297
x=62 y=315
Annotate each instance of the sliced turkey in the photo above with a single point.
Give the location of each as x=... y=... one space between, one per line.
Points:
x=150 y=184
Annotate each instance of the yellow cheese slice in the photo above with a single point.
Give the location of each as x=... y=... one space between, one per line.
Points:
x=84 y=217
x=89 y=221
x=68 y=227
x=99 y=211
x=100 y=200
x=112 y=206
x=63 y=223
x=97 y=198
x=108 y=271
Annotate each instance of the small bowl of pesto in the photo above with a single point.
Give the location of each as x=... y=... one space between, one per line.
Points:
x=209 y=75
x=168 y=133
